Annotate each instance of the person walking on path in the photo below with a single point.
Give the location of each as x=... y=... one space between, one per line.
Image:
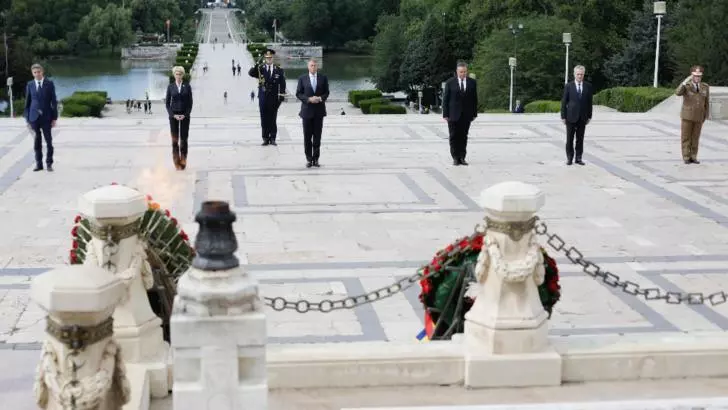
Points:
x=41 y=114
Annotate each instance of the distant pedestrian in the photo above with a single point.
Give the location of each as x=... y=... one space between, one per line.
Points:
x=252 y=96
x=342 y=111
x=224 y=96
x=233 y=70
x=146 y=107
x=149 y=102
x=238 y=68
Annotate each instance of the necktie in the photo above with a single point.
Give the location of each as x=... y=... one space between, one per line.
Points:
x=313 y=82
x=697 y=88
x=578 y=89
x=462 y=86
x=38 y=87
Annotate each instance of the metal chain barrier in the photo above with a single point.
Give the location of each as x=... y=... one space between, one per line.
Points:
x=326 y=306
x=628 y=287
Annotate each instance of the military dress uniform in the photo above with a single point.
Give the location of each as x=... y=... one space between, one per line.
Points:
x=695 y=110
x=271 y=88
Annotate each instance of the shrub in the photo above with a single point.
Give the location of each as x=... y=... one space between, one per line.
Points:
x=387 y=109
x=543 y=106
x=73 y=109
x=632 y=99
x=84 y=104
x=102 y=94
x=365 y=105
x=359 y=95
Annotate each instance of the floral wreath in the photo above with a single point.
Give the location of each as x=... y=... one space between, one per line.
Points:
x=443 y=280
x=158 y=228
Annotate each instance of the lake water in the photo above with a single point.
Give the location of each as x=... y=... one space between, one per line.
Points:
x=124 y=79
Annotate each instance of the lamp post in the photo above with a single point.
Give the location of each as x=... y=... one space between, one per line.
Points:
x=419 y=96
x=10 y=95
x=659 y=10
x=514 y=29
x=512 y=64
x=566 y=38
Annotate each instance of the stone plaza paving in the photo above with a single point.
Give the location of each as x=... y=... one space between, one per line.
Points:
x=385 y=199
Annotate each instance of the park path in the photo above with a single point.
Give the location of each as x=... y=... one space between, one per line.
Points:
x=209 y=88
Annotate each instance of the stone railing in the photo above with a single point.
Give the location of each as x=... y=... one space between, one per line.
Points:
x=150 y=52
x=218 y=327
x=81 y=364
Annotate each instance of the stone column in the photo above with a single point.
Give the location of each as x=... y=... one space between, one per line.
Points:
x=506 y=330
x=218 y=329
x=80 y=365
x=115 y=212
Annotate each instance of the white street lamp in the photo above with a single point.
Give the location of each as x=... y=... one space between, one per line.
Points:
x=660 y=10
x=419 y=95
x=512 y=64
x=566 y=38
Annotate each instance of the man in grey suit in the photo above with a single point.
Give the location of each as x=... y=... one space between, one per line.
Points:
x=312 y=90
x=41 y=113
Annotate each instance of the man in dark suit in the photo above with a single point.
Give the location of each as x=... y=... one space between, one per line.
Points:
x=459 y=109
x=312 y=90
x=576 y=112
x=271 y=90
x=41 y=113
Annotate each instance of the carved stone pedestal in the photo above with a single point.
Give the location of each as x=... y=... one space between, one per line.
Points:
x=80 y=366
x=115 y=212
x=218 y=329
x=506 y=330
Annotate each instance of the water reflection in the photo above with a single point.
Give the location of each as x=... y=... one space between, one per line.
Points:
x=132 y=78
x=122 y=79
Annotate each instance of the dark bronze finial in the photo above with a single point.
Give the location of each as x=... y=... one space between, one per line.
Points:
x=215 y=244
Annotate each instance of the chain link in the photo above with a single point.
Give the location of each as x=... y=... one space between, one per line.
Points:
x=326 y=306
x=628 y=287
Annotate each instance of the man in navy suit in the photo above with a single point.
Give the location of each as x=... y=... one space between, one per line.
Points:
x=313 y=91
x=576 y=112
x=41 y=113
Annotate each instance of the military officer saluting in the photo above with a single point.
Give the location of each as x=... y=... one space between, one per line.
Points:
x=695 y=110
x=271 y=89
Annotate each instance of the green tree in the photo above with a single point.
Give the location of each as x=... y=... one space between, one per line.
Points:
x=698 y=38
x=540 y=71
x=388 y=45
x=107 y=27
x=635 y=64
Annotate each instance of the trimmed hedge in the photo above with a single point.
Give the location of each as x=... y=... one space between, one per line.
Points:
x=632 y=99
x=355 y=96
x=365 y=105
x=387 y=109
x=186 y=59
x=541 y=106
x=84 y=104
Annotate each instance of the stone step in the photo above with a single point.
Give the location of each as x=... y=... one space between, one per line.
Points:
x=696 y=403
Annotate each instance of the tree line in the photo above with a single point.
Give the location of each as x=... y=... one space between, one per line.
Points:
x=416 y=43
x=614 y=39
x=39 y=29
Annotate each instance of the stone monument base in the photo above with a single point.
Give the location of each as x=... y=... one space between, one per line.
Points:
x=481 y=339
x=512 y=370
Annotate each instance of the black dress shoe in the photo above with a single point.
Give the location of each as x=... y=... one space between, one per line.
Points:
x=49 y=168
x=316 y=164
x=687 y=161
x=568 y=162
x=309 y=164
x=38 y=168
x=265 y=143
x=695 y=161
x=463 y=162
x=455 y=162
x=580 y=162
x=273 y=142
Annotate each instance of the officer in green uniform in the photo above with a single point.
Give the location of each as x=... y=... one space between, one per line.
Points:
x=271 y=90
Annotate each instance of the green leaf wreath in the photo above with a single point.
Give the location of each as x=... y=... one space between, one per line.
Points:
x=168 y=251
x=443 y=289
